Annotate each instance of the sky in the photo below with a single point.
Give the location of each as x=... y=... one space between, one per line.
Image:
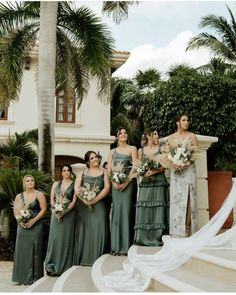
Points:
x=156 y=33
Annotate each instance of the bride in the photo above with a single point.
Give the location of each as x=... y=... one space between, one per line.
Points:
x=183 y=184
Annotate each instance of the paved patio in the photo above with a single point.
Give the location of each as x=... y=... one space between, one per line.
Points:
x=6 y=285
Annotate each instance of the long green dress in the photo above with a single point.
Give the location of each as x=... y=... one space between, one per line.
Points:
x=152 y=209
x=92 y=227
x=123 y=210
x=59 y=256
x=28 y=261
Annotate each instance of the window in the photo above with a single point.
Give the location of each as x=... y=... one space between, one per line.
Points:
x=3 y=114
x=65 y=108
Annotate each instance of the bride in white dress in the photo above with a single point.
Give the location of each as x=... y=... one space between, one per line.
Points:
x=183 y=186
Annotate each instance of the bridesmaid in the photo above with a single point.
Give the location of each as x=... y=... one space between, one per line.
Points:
x=28 y=262
x=92 y=219
x=123 y=195
x=152 y=207
x=59 y=256
x=183 y=187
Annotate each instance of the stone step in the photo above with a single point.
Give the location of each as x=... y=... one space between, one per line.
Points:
x=75 y=279
x=107 y=264
x=225 y=257
x=204 y=272
x=209 y=270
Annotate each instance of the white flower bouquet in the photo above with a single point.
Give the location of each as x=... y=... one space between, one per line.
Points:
x=118 y=173
x=60 y=205
x=88 y=192
x=21 y=211
x=144 y=166
x=182 y=155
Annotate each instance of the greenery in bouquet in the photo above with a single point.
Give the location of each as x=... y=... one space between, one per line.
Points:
x=88 y=192
x=118 y=173
x=144 y=166
x=182 y=154
x=21 y=211
x=60 y=206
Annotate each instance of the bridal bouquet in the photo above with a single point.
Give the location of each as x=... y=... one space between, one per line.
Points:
x=21 y=211
x=88 y=192
x=60 y=205
x=118 y=173
x=182 y=154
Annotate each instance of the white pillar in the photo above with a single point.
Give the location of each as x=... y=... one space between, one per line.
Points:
x=202 y=183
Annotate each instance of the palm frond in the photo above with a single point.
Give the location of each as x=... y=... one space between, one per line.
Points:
x=118 y=10
x=205 y=40
x=14 y=49
x=88 y=32
x=14 y=15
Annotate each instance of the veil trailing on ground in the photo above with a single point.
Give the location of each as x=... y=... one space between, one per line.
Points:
x=173 y=254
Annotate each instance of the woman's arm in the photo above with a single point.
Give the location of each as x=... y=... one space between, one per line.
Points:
x=194 y=140
x=109 y=165
x=104 y=192
x=52 y=194
x=73 y=202
x=43 y=208
x=77 y=184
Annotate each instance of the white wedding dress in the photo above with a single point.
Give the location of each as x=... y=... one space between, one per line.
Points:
x=174 y=253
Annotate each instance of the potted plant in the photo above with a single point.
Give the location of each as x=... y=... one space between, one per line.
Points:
x=219 y=186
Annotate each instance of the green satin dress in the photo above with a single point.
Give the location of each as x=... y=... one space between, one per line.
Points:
x=28 y=261
x=59 y=256
x=92 y=227
x=152 y=210
x=123 y=210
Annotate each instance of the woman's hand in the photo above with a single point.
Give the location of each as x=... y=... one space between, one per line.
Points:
x=29 y=223
x=148 y=173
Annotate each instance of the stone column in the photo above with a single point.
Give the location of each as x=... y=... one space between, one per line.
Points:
x=202 y=184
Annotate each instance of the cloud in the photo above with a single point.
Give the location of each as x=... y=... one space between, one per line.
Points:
x=147 y=55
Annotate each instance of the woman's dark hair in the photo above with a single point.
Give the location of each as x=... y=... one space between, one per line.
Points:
x=87 y=157
x=118 y=132
x=72 y=175
x=178 y=117
x=104 y=164
x=147 y=131
x=68 y=166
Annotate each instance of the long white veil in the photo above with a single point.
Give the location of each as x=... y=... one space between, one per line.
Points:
x=173 y=254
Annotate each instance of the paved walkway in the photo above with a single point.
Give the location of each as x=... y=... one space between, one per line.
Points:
x=6 y=285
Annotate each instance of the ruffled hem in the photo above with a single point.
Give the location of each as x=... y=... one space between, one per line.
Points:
x=152 y=204
x=150 y=226
x=155 y=183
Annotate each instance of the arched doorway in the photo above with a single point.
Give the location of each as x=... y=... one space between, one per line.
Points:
x=60 y=160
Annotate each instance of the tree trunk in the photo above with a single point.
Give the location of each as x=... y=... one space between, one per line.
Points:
x=46 y=85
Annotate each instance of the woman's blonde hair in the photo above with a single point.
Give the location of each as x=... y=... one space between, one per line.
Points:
x=24 y=179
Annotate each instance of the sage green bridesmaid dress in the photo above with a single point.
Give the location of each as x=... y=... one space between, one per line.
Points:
x=28 y=261
x=92 y=227
x=59 y=256
x=123 y=210
x=152 y=210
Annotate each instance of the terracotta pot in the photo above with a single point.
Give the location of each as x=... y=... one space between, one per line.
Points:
x=219 y=186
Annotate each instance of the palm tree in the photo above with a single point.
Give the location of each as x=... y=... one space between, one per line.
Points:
x=84 y=48
x=46 y=84
x=129 y=100
x=20 y=151
x=183 y=69
x=223 y=43
x=118 y=10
